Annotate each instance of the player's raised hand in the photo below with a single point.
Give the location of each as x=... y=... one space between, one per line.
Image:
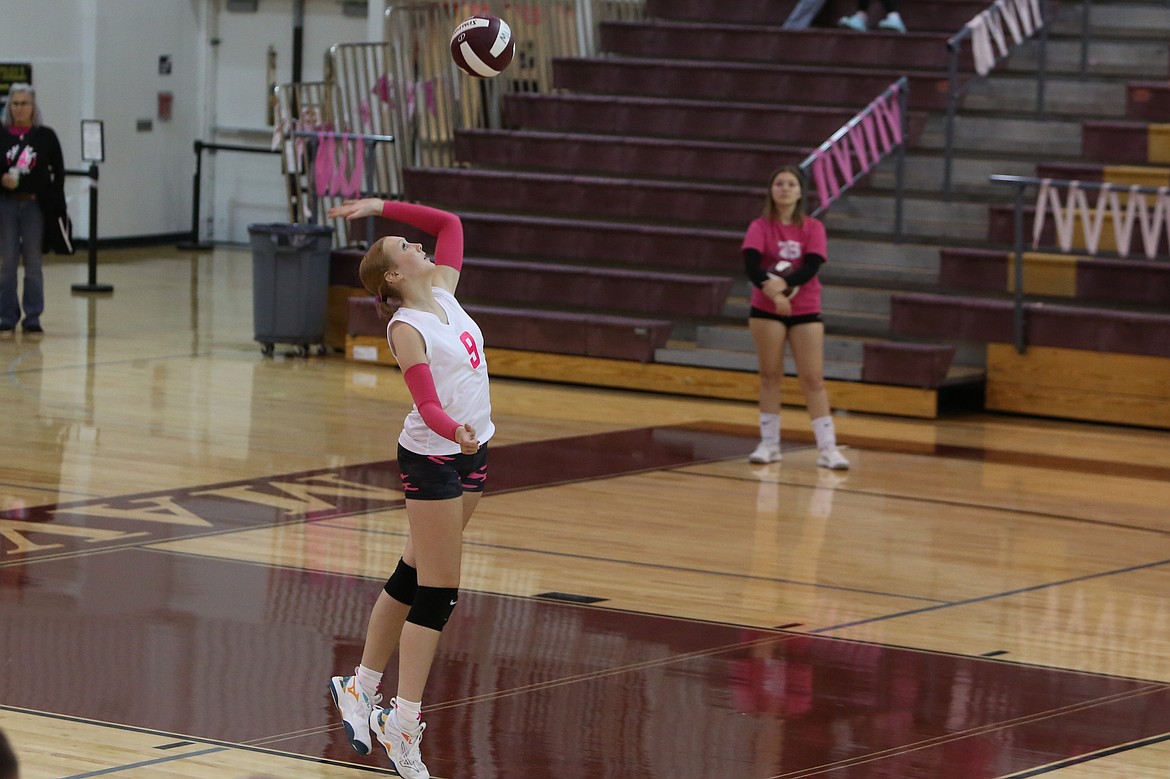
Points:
x=357 y=209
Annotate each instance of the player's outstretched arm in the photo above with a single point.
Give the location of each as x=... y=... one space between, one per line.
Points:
x=357 y=209
x=445 y=226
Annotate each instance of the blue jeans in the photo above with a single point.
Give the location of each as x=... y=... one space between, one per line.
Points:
x=21 y=231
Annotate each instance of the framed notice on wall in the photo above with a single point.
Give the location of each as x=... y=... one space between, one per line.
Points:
x=93 y=141
x=13 y=73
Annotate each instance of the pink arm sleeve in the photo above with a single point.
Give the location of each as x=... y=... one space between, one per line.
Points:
x=444 y=225
x=422 y=388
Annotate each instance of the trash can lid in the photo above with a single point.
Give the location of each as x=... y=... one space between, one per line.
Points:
x=279 y=228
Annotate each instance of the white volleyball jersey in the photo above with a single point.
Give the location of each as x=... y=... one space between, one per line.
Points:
x=459 y=367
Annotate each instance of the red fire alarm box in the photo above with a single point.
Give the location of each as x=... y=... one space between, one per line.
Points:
x=165 y=102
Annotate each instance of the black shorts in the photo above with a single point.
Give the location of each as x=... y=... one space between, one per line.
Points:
x=442 y=476
x=787 y=321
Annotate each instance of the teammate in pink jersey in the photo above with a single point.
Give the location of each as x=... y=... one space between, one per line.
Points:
x=442 y=454
x=782 y=251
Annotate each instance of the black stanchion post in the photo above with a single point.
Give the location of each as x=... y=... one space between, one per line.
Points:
x=92 y=285
x=196 y=196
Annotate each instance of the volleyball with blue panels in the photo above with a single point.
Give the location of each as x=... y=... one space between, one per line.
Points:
x=482 y=45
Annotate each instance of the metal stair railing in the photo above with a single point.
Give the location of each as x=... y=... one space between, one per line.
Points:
x=1147 y=208
x=990 y=45
x=855 y=149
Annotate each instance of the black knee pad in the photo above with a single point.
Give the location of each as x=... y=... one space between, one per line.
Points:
x=403 y=583
x=432 y=606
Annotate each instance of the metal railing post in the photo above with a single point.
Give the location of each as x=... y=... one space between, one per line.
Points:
x=952 y=106
x=954 y=44
x=900 y=162
x=1042 y=64
x=1084 y=37
x=91 y=248
x=1018 y=311
x=193 y=243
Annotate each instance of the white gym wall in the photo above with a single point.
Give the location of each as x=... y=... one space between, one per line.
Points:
x=100 y=59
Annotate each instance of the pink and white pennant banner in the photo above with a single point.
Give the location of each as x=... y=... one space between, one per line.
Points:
x=1149 y=212
x=868 y=137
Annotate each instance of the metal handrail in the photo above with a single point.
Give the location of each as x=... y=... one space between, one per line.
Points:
x=955 y=91
x=1019 y=184
x=91 y=284
x=194 y=243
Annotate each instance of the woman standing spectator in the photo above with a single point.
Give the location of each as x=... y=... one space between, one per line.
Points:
x=33 y=179
x=782 y=251
x=442 y=455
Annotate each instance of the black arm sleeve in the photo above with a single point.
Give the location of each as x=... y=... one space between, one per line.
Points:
x=812 y=263
x=753 y=266
x=57 y=161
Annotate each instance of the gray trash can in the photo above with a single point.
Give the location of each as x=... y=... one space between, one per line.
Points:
x=290 y=284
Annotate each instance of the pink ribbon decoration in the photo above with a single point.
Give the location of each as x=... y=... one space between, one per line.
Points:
x=325 y=163
x=1151 y=224
x=869 y=137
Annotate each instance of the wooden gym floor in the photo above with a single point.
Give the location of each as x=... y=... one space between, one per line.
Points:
x=191 y=535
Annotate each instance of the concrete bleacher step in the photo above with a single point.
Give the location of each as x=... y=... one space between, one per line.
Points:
x=855 y=272
x=885 y=255
x=872 y=213
x=1064 y=95
x=1115 y=58
x=847 y=358
x=816 y=85
x=772 y=44
x=688 y=118
x=738 y=338
x=946 y=16
x=1000 y=134
x=970 y=175
x=697 y=356
x=847 y=310
x=608 y=155
x=1126 y=20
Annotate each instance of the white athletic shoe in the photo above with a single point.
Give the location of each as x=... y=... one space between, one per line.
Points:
x=893 y=21
x=764 y=453
x=402 y=748
x=832 y=459
x=354 y=706
x=853 y=22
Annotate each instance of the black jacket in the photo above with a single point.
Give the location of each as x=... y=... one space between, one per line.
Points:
x=38 y=153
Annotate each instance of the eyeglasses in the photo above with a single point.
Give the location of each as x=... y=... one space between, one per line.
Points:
x=19 y=102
